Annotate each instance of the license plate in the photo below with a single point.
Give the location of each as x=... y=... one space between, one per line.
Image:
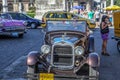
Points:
x=15 y=34
x=46 y=76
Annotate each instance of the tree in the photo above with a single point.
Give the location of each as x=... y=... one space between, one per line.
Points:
x=116 y=2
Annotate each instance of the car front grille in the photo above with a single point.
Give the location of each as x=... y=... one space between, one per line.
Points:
x=62 y=55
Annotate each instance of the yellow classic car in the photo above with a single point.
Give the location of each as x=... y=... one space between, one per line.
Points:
x=116 y=20
x=65 y=15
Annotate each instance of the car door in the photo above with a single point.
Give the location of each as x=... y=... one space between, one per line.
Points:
x=22 y=16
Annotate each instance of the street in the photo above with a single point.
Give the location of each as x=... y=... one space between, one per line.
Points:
x=13 y=52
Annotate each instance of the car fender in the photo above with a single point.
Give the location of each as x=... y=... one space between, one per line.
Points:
x=93 y=59
x=91 y=43
x=33 y=58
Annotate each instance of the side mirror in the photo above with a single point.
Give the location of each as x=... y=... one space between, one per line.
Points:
x=43 y=24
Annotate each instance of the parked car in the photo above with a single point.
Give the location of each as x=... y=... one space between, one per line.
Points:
x=32 y=22
x=66 y=15
x=67 y=51
x=12 y=27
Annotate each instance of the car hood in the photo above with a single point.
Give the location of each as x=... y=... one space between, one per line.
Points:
x=70 y=37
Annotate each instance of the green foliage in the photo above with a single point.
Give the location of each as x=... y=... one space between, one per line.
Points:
x=108 y=2
x=31 y=12
x=116 y=2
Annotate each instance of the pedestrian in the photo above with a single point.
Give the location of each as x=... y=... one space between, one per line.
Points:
x=90 y=14
x=97 y=17
x=104 y=29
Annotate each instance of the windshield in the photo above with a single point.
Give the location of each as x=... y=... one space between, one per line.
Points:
x=71 y=25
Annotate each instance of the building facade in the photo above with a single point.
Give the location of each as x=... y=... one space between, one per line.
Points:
x=13 y=5
x=43 y=6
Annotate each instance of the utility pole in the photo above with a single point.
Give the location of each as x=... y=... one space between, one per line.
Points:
x=20 y=6
x=5 y=5
x=112 y=2
x=64 y=5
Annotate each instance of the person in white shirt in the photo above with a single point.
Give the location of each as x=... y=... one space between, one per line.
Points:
x=97 y=17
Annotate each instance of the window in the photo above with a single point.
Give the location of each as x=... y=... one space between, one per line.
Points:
x=50 y=15
x=21 y=16
x=61 y=15
x=5 y=16
x=13 y=15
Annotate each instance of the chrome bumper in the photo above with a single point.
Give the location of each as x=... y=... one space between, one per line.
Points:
x=37 y=77
x=12 y=32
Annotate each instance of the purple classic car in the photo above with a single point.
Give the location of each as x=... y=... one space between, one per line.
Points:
x=12 y=27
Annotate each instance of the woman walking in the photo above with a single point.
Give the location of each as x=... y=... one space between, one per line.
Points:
x=104 y=28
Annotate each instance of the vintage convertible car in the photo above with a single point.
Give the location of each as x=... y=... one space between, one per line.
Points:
x=12 y=27
x=67 y=52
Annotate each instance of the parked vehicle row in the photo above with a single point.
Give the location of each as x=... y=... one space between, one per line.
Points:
x=15 y=24
x=35 y=23
x=31 y=22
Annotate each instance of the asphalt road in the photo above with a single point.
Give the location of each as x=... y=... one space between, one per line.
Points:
x=13 y=53
x=12 y=49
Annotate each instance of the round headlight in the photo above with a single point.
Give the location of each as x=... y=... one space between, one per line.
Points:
x=45 y=49
x=79 y=50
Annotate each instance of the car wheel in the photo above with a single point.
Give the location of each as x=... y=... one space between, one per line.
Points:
x=33 y=25
x=20 y=36
x=118 y=46
x=93 y=72
x=31 y=70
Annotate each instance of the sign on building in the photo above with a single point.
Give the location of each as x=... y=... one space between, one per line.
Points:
x=51 y=1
